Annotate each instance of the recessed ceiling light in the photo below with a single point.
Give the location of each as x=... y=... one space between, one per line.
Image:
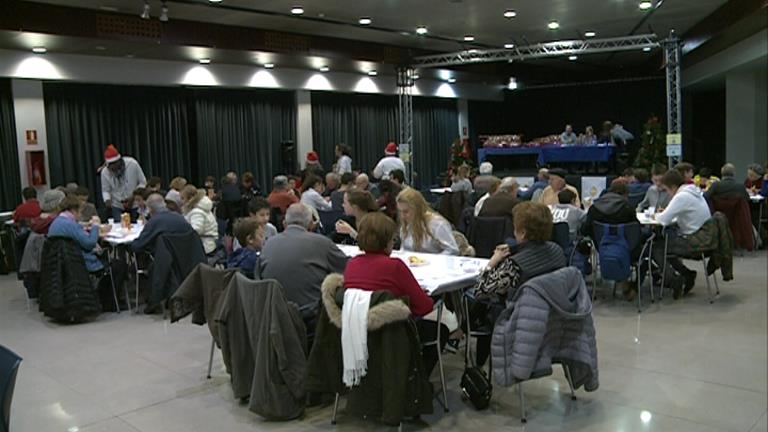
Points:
x=451 y=80
x=646 y=49
x=372 y=73
x=645 y=5
x=415 y=76
x=269 y=65
x=39 y=50
x=204 y=61
x=324 y=68
x=572 y=58
x=214 y=1
x=422 y=30
x=509 y=45
x=509 y=13
x=590 y=34
x=469 y=38
x=553 y=25
x=297 y=10
x=365 y=21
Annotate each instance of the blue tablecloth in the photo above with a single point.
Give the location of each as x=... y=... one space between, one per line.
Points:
x=554 y=154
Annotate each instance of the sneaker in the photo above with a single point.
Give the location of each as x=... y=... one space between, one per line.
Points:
x=690 y=281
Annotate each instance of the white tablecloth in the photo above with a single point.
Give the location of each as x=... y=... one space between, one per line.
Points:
x=441 y=273
x=440 y=190
x=645 y=220
x=756 y=198
x=119 y=236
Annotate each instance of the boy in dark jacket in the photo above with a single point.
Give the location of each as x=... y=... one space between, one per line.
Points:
x=611 y=208
x=250 y=234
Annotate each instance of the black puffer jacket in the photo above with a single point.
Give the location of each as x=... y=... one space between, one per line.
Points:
x=66 y=292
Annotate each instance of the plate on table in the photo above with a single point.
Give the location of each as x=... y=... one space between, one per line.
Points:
x=414 y=261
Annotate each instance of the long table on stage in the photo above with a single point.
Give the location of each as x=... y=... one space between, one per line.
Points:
x=601 y=153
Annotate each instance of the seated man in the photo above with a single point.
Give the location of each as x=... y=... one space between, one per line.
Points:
x=300 y=259
x=641 y=184
x=332 y=183
x=250 y=234
x=337 y=196
x=556 y=184
x=689 y=210
x=568 y=138
x=282 y=195
x=161 y=222
x=542 y=181
x=566 y=211
x=88 y=211
x=29 y=209
x=492 y=184
x=655 y=197
x=728 y=187
x=686 y=171
x=503 y=201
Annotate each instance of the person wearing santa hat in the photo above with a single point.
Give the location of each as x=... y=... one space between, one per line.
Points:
x=312 y=167
x=388 y=163
x=122 y=176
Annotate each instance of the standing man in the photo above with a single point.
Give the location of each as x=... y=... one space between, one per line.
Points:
x=388 y=163
x=118 y=181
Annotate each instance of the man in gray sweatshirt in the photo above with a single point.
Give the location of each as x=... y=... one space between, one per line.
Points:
x=655 y=196
x=566 y=211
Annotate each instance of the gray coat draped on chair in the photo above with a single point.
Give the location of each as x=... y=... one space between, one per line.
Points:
x=548 y=321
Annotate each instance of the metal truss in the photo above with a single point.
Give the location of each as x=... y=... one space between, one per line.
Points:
x=674 y=100
x=540 y=50
x=405 y=115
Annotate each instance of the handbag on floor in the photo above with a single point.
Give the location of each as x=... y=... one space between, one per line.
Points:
x=476 y=387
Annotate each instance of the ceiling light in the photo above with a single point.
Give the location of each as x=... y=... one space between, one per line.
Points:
x=365 y=21
x=572 y=58
x=164 y=13
x=372 y=73
x=145 y=10
x=645 y=5
x=451 y=80
x=297 y=10
x=324 y=68
x=215 y=1
x=512 y=85
x=422 y=30
x=509 y=45
x=646 y=49
x=269 y=65
x=415 y=76
x=469 y=38
x=553 y=25
x=205 y=60
x=39 y=50
x=590 y=34
x=509 y=13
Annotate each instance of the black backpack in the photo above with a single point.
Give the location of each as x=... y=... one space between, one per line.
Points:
x=475 y=385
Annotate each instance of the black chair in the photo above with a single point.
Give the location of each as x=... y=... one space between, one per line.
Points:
x=633 y=236
x=328 y=220
x=561 y=235
x=467 y=216
x=485 y=233
x=451 y=205
x=276 y=218
x=9 y=367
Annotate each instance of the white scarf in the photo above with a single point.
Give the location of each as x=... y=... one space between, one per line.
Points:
x=354 y=335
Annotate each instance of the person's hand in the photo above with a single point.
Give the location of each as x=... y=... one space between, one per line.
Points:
x=327 y=199
x=343 y=227
x=501 y=252
x=95 y=221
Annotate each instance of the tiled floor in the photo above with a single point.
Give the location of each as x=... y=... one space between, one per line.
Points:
x=679 y=366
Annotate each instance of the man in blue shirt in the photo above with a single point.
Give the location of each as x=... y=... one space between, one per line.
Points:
x=161 y=222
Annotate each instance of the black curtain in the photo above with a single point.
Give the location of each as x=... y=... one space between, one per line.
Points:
x=148 y=123
x=241 y=130
x=366 y=123
x=10 y=186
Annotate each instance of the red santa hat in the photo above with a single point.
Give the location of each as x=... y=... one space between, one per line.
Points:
x=391 y=149
x=312 y=158
x=111 y=154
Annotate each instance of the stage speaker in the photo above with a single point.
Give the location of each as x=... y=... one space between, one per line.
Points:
x=288 y=158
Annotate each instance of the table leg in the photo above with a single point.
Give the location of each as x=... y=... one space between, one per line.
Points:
x=440 y=354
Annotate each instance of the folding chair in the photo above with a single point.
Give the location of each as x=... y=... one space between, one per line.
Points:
x=485 y=233
x=697 y=256
x=633 y=236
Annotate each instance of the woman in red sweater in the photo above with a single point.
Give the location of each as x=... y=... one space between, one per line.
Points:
x=376 y=270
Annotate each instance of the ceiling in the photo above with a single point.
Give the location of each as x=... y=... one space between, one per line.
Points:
x=394 y=22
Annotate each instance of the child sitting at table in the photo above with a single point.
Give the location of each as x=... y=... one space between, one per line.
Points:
x=250 y=234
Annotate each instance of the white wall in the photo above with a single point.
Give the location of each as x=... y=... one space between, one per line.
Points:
x=303 y=125
x=113 y=70
x=462 y=107
x=745 y=134
x=29 y=111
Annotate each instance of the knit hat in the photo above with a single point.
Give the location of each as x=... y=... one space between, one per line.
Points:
x=312 y=158
x=486 y=168
x=51 y=200
x=391 y=149
x=111 y=154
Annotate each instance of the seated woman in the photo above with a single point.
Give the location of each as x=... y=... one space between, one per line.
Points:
x=67 y=225
x=197 y=210
x=357 y=204
x=509 y=268
x=376 y=270
x=461 y=182
x=421 y=229
x=50 y=207
x=312 y=194
x=174 y=193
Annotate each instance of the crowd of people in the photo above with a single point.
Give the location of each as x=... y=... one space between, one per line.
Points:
x=280 y=236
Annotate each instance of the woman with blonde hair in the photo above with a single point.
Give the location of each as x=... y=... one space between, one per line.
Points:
x=421 y=229
x=174 y=193
x=197 y=210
